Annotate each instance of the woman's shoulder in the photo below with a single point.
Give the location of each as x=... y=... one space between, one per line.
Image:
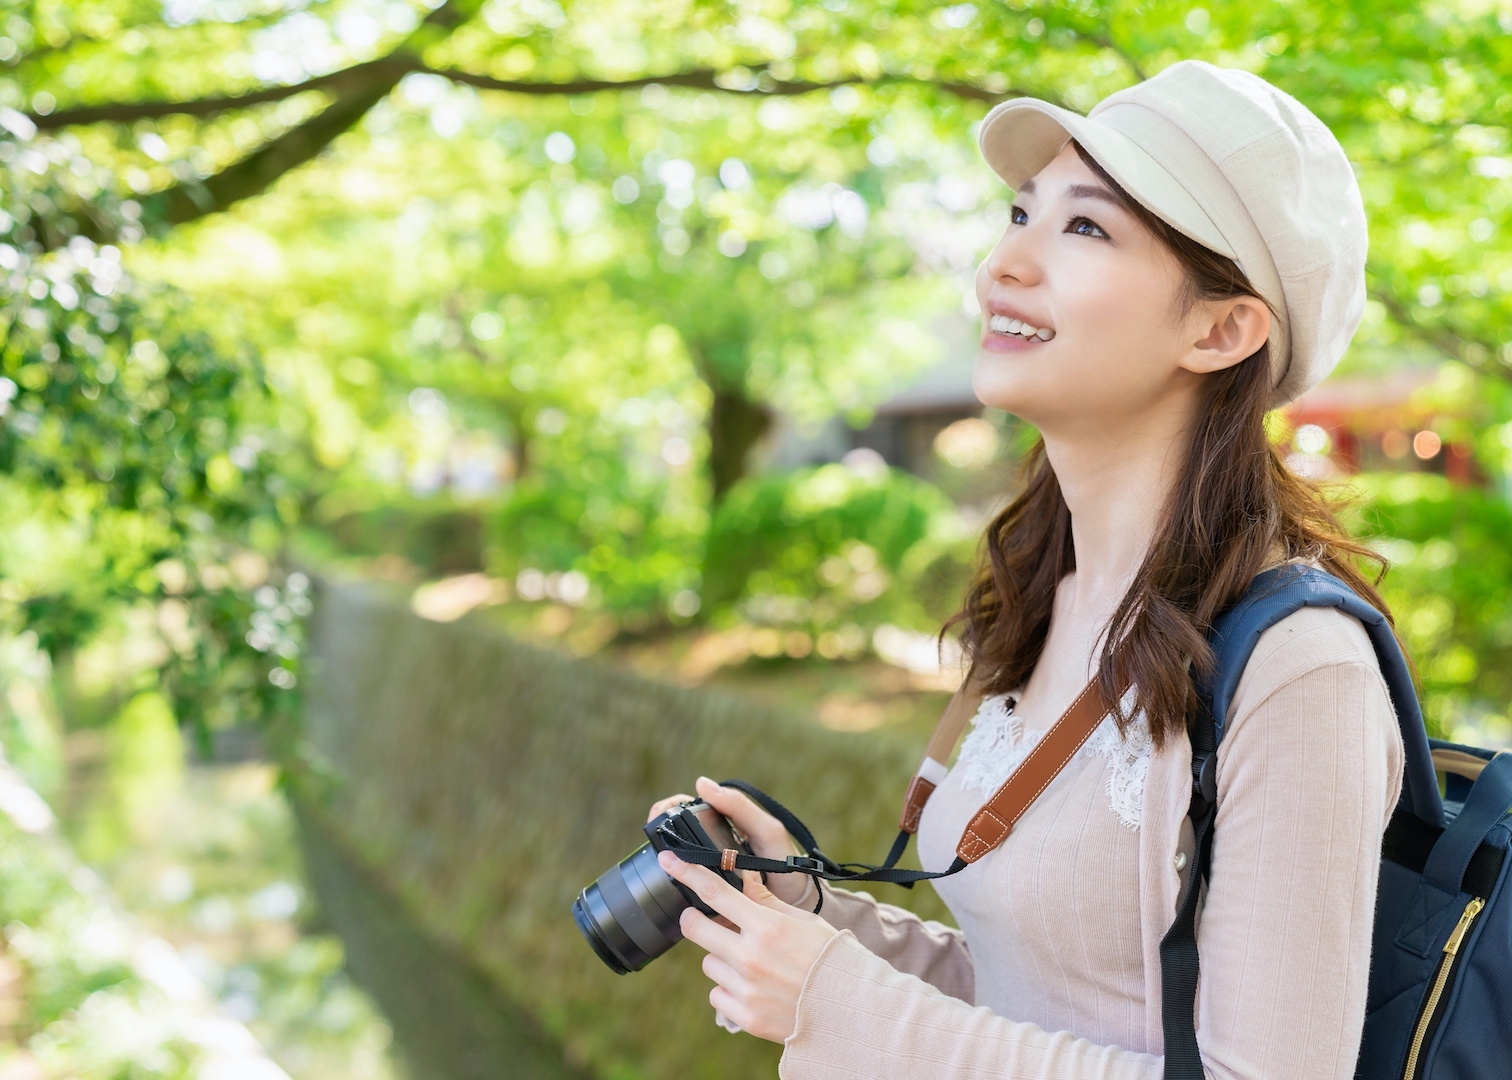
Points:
x=1312 y=698
x=1312 y=647
x=1309 y=638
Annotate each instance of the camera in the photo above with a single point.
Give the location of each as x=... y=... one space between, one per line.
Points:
x=630 y=914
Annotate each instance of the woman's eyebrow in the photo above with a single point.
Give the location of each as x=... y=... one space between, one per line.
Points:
x=1095 y=191
x=1081 y=191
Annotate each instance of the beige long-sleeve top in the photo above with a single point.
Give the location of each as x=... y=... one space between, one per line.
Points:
x=1055 y=972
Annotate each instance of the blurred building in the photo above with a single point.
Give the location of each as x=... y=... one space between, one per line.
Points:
x=1378 y=423
x=904 y=428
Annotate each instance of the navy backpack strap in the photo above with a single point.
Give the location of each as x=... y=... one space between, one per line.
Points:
x=1273 y=596
x=1486 y=804
x=1278 y=593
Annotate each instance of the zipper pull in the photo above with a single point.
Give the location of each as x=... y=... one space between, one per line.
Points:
x=1472 y=909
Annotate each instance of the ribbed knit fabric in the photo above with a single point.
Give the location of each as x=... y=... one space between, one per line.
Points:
x=1058 y=951
x=1069 y=863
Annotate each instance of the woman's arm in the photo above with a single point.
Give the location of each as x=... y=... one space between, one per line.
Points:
x=930 y=950
x=1308 y=773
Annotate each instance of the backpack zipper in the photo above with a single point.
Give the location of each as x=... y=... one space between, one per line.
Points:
x=1440 y=984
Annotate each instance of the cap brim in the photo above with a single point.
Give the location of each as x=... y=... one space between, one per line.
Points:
x=1020 y=137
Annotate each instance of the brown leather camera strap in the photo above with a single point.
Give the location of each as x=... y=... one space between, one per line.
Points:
x=941 y=745
x=995 y=820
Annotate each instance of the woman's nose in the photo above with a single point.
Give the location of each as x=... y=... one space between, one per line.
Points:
x=1013 y=258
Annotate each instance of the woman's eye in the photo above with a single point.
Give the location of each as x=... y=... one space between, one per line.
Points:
x=1086 y=227
x=1017 y=216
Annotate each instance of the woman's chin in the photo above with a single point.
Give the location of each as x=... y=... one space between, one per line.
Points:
x=1017 y=387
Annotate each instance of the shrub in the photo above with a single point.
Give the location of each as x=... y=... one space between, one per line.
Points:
x=1447 y=587
x=830 y=545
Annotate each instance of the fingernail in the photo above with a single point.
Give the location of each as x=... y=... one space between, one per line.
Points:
x=667 y=860
x=706 y=780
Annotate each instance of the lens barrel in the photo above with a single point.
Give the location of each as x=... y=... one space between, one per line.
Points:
x=630 y=914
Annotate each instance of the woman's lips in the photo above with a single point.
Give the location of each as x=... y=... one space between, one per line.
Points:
x=1009 y=343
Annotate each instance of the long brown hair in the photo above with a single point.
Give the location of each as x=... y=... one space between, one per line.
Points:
x=1236 y=509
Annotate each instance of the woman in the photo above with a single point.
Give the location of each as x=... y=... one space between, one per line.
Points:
x=1181 y=260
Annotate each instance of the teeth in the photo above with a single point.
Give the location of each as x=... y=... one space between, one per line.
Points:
x=1002 y=324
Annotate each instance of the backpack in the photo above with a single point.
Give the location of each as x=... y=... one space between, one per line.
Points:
x=1439 y=1004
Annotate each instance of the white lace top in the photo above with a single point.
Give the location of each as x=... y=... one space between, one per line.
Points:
x=998 y=742
x=1073 y=858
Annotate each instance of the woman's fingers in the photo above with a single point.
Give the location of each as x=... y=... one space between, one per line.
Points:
x=714 y=891
x=767 y=836
x=766 y=833
x=719 y=936
x=734 y=1009
x=759 y=969
x=724 y=973
x=662 y=806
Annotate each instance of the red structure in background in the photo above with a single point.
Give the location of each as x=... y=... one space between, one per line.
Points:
x=1381 y=423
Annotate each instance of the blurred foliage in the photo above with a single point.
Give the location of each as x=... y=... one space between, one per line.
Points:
x=831 y=546
x=134 y=454
x=1448 y=587
x=530 y=288
x=87 y=994
x=204 y=857
x=73 y=1005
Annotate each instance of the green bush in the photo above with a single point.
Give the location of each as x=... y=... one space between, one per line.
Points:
x=829 y=545
x=1447 y=587
x=636 y=540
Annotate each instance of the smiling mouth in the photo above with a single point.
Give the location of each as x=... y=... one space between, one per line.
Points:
x=1002 y=324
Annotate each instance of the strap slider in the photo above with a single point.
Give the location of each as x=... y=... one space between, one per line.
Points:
x=1205 y=775
x=804 y=862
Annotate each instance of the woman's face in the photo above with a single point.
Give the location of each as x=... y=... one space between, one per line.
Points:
x=1075 y=262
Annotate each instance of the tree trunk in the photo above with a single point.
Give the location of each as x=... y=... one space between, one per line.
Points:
x=736 y=423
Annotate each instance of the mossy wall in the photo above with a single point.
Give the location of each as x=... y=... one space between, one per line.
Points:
x=485 y=782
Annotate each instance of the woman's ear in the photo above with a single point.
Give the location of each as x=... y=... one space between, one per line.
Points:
x=1232 y=330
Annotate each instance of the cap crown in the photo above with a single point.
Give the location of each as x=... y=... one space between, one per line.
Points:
x=1279 y=188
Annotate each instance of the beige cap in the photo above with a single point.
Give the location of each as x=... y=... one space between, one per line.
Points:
x=1237 y=165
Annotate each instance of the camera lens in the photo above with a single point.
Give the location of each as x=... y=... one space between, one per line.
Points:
x=629 y=915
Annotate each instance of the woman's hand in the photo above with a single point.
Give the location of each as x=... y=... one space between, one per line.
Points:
x=758 y=966
x=762 y=831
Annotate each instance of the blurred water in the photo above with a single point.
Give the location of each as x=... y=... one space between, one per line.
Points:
x=287 y=930
x=449 y=1020
x=208 y=858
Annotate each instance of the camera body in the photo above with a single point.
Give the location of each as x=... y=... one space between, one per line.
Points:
x=630 y=914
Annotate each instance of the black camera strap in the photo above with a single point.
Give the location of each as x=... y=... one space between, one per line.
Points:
x=814 y=863
x=989 y=828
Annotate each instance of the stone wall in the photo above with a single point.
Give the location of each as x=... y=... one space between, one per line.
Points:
x=485 y=781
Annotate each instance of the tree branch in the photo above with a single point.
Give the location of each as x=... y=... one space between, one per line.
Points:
x=397 y=64
x=709 y=79
x=358 y=78
x=257 y=172
x=356 y=89
x=1107 y=42
x=337 y=82
x=1476 y=355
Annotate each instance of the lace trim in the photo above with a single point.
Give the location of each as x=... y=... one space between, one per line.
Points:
x=998 y=743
